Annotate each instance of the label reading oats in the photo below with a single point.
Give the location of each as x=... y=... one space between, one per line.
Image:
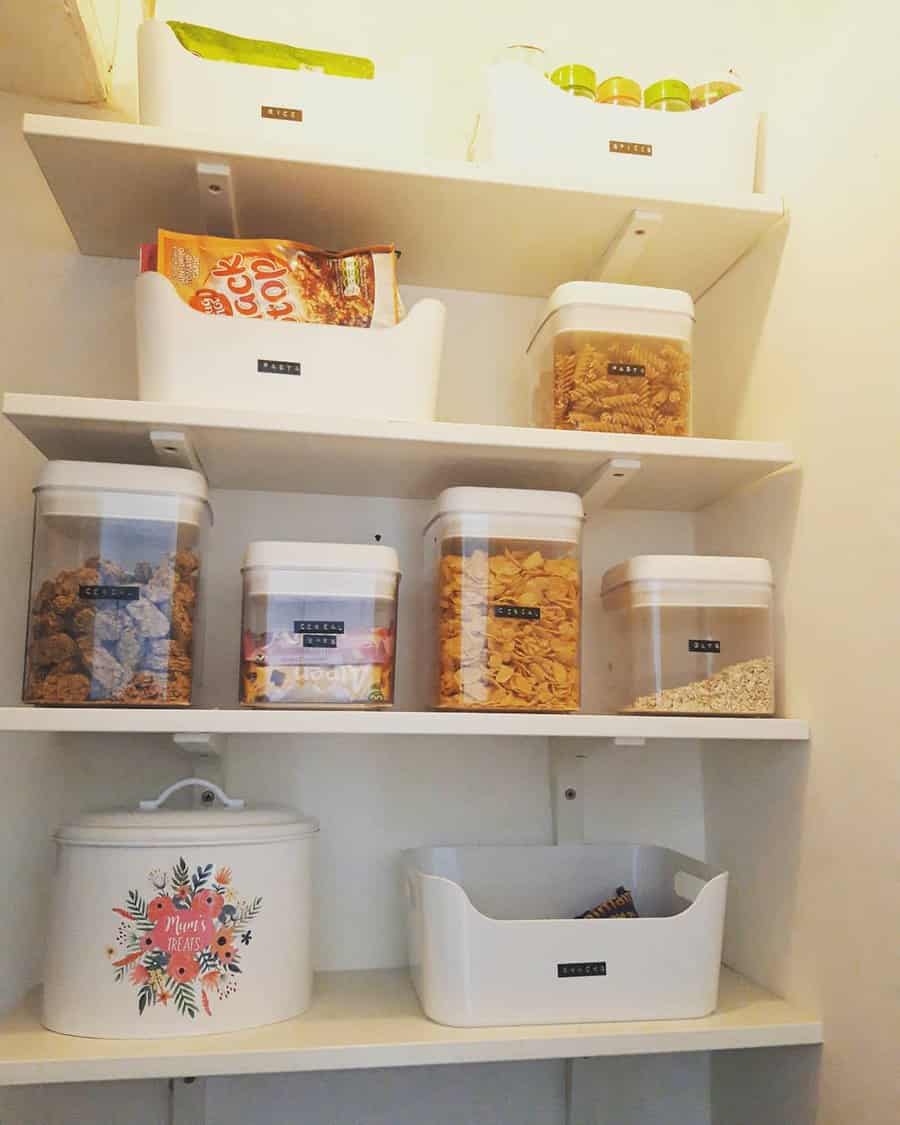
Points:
x=704 y=646
x=319 y=640
x=109 y=593
x=523 y=612
x=632 y=148
x=281 y=112
x=625 y=369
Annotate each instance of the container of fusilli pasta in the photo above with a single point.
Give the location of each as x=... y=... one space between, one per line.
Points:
x=613 y=359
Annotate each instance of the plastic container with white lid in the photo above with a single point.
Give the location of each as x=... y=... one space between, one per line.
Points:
x=171 y=922
x=506 y=624
x=115 y=584
x=613 y=359
x=693 y=635
x=319 y=625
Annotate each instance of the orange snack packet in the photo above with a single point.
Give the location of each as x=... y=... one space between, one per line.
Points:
x=272 y=279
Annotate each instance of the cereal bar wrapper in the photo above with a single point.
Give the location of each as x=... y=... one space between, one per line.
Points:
x=621 y=905
x=271 y=279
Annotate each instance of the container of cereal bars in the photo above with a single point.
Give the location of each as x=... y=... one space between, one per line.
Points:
x=613 y=359
x=319 y=625
x=507 y=600
x=114 y=585
x=693 y=635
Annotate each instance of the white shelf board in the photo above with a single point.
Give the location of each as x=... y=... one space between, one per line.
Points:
x=175 y=720
x=373 y=1019
x=255 y=450
x=459 y=226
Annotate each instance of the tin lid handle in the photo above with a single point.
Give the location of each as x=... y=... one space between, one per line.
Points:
x=228 y=802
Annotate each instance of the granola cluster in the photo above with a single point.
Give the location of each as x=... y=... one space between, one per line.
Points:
x=508 y=630
x=104 y=634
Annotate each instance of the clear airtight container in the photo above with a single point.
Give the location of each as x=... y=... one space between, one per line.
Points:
x=506 y=624
x=613 y=359
x=319 y=625
x=692 y=635
x=115 y=579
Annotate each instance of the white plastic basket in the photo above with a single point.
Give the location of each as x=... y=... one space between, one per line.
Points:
x=187 y=356
x=495 y=938
x=385 y=115
x=529 y=124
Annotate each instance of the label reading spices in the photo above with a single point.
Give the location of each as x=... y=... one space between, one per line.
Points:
x=625 y=369
x=523 y=612
x=319 y=640
x=704 y=646
x=109 y=593
x=276 y=367
x=632 y=148
x=581 y=969
x=318 y=626
x=281 y=113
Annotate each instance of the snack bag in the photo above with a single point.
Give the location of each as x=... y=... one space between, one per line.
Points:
x=272 y=279
x=620 y=906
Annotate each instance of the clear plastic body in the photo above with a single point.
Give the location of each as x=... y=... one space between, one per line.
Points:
x=615 y=382
x=534 y=57
x=692 y=660
x=507 y=618
x=669 y=105
x=113 y=606
x=313 y=650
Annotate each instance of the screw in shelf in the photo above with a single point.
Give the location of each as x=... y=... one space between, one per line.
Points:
x=570 y=794
x=207 y=796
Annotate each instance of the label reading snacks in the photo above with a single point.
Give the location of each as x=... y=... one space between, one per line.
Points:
x=281 y=113
x=625 y=369
x=318 y=626
x=704 y=646
x=522 y=612
x=581 y=969
x=319 y=640
x=632 y=148
x=109 y=593
x=276 y=367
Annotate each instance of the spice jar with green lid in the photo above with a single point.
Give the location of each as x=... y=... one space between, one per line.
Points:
x=619 y=91
x=575 y=78
x=669 y=94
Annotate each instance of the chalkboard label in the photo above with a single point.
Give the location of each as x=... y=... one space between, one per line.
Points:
x=581 y=969
x=318 y=626
x=625 y=369
x=704 y=646
x=631 y=148
x=277 y=367
x=109 y=593
x=281 y=113
x=319 y=640
x=520 y=612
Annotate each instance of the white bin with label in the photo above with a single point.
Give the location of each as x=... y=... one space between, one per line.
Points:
x=495 y=937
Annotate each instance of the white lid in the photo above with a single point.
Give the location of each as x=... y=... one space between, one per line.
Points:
x=361 y=557
x=102 y=477
x=510 y=502
x=687 y=568
x=602 y=294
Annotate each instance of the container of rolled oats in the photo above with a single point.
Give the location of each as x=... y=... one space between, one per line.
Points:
x=505 y=628
x=692 y=635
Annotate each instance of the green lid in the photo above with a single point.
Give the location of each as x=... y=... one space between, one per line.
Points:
x=618 y=87
x=667 y=88
x=574 y=74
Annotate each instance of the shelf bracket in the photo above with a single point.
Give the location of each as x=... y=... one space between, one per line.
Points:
x=176 y=450
x=216 y=190
x=618 y=262
x=567 y=793
x=602 y=486
x=187 y=1101
x=204 y=753
x=623 y=740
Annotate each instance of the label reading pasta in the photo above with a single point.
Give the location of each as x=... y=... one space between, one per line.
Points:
x=318 y=626
x=523 y=612
x=277 y=367
x=319 y=640
x=704 y=646
x=632 y=148
x=109 y=593
x=281 y=113
x=625 y=369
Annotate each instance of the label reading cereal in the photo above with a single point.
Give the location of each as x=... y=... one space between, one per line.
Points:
x=523 y=612
x=318 y=626
x=109 y=593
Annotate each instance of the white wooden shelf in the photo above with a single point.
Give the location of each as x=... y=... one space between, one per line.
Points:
x=175 y=720
x=458 y=226
x=254 y=450
x=373 y=1019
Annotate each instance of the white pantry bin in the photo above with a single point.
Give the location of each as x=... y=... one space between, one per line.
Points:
x=495 y=939
x=170 y=922
x=190 y=357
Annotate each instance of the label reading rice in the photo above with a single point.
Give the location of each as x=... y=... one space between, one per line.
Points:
x=281 y=113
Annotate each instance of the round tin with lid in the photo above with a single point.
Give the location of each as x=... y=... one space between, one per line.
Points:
x=169 y=922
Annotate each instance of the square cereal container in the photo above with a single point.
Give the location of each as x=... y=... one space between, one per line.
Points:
x=613 y=359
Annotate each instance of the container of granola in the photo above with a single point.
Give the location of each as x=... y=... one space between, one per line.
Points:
x=613 y=359
x=319 y=625
x=115 y=579
x=692 y=635
x=506 y=623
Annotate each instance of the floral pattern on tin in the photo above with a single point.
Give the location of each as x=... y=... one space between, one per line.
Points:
x=182 y=944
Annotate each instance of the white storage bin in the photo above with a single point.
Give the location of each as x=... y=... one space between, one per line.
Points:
x=326 y=369
x=528 y=124
x=385 y=116
x=167 y=923
x=495 y=938
x=613 y=359
x=319 y=625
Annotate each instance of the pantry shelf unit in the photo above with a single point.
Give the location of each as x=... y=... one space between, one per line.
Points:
x=165 y=720
x=267 y=451
x=459 y=226
x=372 y=1019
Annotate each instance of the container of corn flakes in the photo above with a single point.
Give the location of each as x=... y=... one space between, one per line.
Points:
x=613 y=359
x=319 y=625
x=506 y=622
